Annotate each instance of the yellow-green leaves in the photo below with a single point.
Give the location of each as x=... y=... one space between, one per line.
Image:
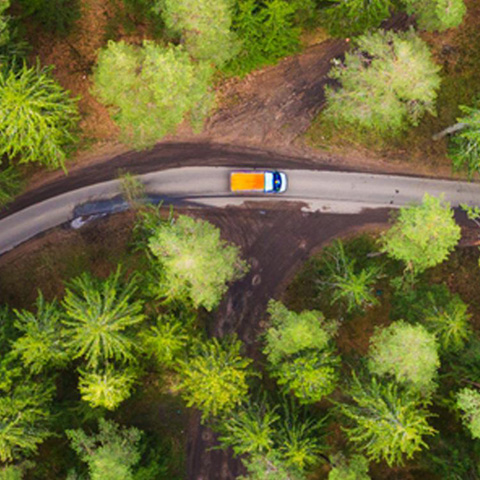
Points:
x=37 y=117
x=151 y=89
x=214 y=378
x=422 y=235
x=388 y=82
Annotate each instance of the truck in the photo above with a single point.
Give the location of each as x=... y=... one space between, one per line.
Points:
x=267 y=181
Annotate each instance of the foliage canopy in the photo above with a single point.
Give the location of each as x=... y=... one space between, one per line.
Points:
x=299 y=349
x=267 y=32
x=197 y=264
x=437 y=15
x=111 y=453
x=42 y=343
x=151 y=89
x=464 y=147
x=386 y=422
x=204 y=26
x=354 y=468
x=107 y=388
x=468 y=401
x=387 y=83
x=422 y=235
x=406 y=352
x=214 y=378
x=23 y=419
x=354 y=17
x=349 y=285
x=37 y=116
x=98 y=316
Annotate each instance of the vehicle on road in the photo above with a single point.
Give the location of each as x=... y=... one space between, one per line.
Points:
x=267 y=181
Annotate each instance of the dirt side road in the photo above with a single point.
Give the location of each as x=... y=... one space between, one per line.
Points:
x=275 y=243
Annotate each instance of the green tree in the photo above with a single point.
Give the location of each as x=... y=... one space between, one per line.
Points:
x=37 y=117
x=267 y=32
x=151 y=89
x=299 y=349
x=99 y=316
x=197 y=264
x=57 y=16
x=381 y=92
x=24 y=415
x=251 y=430
x=409 y=353
x=107 y=388
x=269 y=467
x=354 y=17
x=354 y=468
x=468 y=402
x=386 y=422
x=437 y=15
x=165 y=340
x=422 y=235
x=300 y=437
x=351 y=286
x=450 y=322
x=111 y=453
x=441 y=312
x=287 y=438
x=12 y=472
x=214 y=378
x=42 y=343
x=10 y=184
x=464 y=147
x=4 y=31
x=204 y=26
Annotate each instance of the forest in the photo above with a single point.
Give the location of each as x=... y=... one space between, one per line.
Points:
x=365 y=366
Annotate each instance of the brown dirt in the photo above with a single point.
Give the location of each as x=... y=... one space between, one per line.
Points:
x=74 y=57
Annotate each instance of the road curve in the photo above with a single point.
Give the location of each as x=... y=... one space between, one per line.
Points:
x=326 y=191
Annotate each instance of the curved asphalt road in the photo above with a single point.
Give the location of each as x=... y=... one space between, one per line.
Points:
x=328 y=191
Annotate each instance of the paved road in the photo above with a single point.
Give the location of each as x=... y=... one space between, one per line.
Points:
x=327 y=191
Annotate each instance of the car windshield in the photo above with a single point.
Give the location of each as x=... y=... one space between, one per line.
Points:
x=277 y=181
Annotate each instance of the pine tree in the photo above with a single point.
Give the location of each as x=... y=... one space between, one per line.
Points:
x=37 y=117
x=42 y=343
x=214 y=378
x=99 y=318
x=386 y=422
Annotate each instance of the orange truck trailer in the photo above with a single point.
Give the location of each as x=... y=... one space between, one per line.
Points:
x=258 y=181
